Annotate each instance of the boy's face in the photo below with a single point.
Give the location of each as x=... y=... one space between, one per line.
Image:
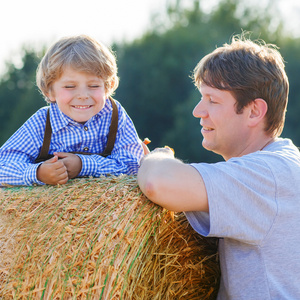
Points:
x=78 y=95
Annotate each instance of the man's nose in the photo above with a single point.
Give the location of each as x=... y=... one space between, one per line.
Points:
x=200 y=111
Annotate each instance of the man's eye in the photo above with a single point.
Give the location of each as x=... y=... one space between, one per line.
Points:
x=212 y=101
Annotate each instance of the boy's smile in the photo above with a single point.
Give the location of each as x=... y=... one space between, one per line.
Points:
x=78 y=95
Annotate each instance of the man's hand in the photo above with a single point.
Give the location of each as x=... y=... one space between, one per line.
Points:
x=72 y=162
x=159 y=153
x=52 y=171
x=170 y=183
x=165 y=151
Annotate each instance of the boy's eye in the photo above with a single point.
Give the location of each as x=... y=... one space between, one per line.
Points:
x=94 y=86
x=69 y=86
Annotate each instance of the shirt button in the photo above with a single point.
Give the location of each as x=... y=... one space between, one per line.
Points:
x=85 y=128
x=86 y=148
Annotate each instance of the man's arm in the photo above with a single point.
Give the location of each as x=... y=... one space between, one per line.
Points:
x=170 y=183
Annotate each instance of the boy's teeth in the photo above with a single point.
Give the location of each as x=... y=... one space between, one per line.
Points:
x=81 y=106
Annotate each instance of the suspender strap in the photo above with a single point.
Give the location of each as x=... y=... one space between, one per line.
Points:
x=47 y=139
x=113 y=129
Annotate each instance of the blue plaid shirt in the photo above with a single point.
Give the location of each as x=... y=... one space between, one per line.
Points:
x=18 y=154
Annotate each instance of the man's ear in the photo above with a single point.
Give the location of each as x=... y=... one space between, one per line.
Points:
x=258 y=110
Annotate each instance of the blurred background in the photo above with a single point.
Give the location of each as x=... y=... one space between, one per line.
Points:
x=157 y=43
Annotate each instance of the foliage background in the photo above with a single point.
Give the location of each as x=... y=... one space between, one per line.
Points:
x=155 y=69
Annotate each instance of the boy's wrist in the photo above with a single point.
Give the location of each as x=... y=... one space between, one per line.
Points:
x=30 y=175
x=88 y=165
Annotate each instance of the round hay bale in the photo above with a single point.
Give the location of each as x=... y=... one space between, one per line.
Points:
x=100 y=238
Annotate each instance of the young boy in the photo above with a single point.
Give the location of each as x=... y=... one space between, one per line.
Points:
x=87 y=134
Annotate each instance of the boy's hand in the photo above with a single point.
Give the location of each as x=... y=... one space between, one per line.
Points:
x=145 y=142
x=53 y=172
x=72 y=162
x=145 y=147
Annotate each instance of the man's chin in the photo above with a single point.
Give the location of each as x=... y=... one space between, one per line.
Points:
x=207 y=145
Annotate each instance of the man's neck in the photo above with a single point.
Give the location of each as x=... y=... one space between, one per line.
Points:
x=257 y=144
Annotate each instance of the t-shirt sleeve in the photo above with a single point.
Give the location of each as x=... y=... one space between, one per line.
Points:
x=242 y=200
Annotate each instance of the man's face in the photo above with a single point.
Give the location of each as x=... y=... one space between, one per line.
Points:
x=224 y=131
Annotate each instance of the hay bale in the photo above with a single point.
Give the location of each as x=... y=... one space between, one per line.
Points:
x=99 y=239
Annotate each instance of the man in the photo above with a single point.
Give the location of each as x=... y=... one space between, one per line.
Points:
x=251 y=200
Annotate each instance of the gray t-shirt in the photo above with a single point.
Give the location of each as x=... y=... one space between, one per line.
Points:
x=254 y=207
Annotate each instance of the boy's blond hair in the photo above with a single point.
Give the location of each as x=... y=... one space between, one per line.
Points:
x=82 y=53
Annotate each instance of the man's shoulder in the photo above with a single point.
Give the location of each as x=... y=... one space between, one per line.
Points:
x=281 y=150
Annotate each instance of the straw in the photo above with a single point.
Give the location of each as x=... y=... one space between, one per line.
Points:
x=100 y=238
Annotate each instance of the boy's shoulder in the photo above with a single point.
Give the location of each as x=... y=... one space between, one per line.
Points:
x=109 y=107
x=118 y=103
x=41 y=112
x=121 y=110
x=38 y=118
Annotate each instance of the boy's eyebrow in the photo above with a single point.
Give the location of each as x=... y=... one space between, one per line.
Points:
x=74 y=80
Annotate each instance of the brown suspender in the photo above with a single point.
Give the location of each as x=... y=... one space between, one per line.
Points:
x=44 y=153
x=113 y=129
x=47 y=139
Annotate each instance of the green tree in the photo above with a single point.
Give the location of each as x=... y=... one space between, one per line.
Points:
x=290 y=51
x=155 y=70
x=19 y=97
x=155 y=73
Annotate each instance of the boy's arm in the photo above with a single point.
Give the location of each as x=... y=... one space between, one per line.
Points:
x=17 y=155
x=18 y=173
x=172 y=184
x=123 y=160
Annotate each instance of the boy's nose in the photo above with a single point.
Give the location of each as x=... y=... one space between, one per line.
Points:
x=83 y=94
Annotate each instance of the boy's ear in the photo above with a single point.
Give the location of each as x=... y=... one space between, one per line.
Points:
x=109 y=86
x=50 y=96
x=258 y=110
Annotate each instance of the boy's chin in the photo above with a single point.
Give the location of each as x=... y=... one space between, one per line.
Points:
x=81 y=119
